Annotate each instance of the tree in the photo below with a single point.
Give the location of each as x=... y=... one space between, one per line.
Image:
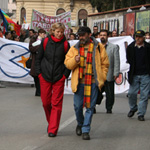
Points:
x=114 y=4
x=97 y=3
x=105 y=5
x=147 y=1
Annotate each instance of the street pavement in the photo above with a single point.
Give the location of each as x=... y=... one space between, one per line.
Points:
x=23 y=125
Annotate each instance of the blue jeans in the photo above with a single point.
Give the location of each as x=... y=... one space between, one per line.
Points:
x=85 y=121
x=142 y=83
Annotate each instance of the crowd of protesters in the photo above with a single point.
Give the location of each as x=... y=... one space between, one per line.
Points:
x=95 y=66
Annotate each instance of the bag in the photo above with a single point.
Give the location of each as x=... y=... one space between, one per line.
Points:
x=29 y=62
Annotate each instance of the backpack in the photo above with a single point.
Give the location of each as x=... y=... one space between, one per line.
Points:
x=65 y=45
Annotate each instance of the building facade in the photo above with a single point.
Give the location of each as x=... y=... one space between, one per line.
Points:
x=4 y=5
x=12 y=9
x=79 y=10
x=128 y=19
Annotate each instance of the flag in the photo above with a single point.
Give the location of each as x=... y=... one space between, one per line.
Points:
x=8 y=21
x=24 y=19
x=5 y=22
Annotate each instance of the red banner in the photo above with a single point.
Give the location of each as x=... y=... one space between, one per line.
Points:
x=129 y=23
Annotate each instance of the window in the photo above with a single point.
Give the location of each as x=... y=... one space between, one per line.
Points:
x=82 y=17
x=23 y=16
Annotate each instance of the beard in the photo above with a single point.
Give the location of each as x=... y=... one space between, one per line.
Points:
x=84 y=41
x=103 y=40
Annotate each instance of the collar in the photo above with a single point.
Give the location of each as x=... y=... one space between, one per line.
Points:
x=55 y=39
x=105 y=44
x=95 y=42
x=139 y=46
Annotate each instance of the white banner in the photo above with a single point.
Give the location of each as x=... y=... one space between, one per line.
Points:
x=13 y=56
x=121 y=84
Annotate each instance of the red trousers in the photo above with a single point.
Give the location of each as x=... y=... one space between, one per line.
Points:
x=52 y=99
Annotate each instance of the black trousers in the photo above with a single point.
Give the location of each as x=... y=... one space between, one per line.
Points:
x=109 y=90
x=37 y=86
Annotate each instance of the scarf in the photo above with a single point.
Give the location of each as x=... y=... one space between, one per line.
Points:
x=88 y=73
x=55 y=39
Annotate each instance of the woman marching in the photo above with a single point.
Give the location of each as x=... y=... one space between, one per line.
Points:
x=52 y=74
x=33 y=47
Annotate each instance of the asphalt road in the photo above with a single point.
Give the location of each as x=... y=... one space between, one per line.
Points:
x=23 y=124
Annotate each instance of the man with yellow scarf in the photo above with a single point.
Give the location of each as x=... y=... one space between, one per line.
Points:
x=89 y=63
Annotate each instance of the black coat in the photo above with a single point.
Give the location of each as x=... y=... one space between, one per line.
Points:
x=131 y=59
x=50 y=62
x=33 y=50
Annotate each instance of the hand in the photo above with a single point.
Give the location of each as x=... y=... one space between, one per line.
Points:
x=77 y=58
x=115 y=77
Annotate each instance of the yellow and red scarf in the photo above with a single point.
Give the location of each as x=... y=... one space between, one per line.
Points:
x=88 y=73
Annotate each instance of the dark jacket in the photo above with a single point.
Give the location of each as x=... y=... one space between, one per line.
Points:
x=50 y=62
x=23 y=37
x=131 y=59
x=33 y=51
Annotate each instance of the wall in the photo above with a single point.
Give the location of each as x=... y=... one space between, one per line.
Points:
x=49 y=7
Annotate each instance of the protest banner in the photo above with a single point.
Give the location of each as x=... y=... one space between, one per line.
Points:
x=13 y=56
x=39 y=20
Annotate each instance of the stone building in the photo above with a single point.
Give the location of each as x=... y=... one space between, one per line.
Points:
x=4 y=5
x=79 y=10
x=12 y=9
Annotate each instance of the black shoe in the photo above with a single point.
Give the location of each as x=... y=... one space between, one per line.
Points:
x=78 y=130
x=131 y=113
x=32 y=85
x=94 y=112
x=37 y=94
x=85 y=136
x=51 y=135
x=141 y=118
x=109 y=112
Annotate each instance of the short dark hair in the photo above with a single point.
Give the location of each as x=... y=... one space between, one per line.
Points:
x=32 y=30
x=41 y=31
x=73 y=35
x=6 y=33
x=147 y=33
x=13 y=31
x=122 y=32
x=103 y=30
x=95 y=26
x=83 y=30
x=15 y=36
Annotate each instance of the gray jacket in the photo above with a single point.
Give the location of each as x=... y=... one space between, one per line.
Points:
x=114 y=61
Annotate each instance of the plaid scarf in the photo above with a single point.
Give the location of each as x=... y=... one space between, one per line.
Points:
x=88 y=73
